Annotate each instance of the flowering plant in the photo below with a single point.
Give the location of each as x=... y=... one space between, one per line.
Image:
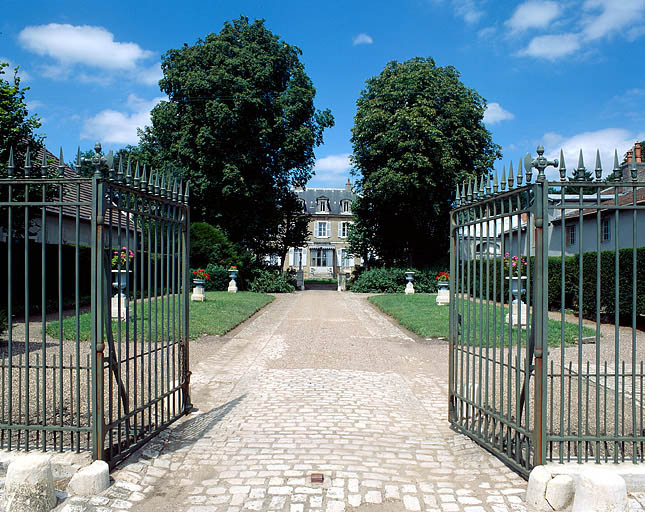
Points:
x=201 y=274
x=122 y=257
x=233 y=267
x=516 y=264
x=443 y=276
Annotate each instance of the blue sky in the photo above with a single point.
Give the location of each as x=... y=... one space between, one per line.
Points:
x=565 y=74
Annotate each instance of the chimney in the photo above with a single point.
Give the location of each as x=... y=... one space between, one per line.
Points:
x=629 y=157
x=637 y=150
x=348 y=185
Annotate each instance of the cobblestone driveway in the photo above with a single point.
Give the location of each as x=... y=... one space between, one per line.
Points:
x=319 y=382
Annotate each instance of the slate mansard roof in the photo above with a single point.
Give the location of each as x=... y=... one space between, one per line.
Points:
x=334 y=195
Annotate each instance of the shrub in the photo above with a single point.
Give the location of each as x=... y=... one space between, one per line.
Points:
x=219 y=278
x=392 y=280
x=3 y=320
x=267 y=281
x=209 y=245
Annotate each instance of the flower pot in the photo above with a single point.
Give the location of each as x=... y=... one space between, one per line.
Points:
x=518 y=310
x=119 y=302
x=232 y=285
x=198 y=291
x=443 y=293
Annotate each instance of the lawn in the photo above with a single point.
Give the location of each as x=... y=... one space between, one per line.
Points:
x=420 y=314
x=320 y=281
x=218 y=314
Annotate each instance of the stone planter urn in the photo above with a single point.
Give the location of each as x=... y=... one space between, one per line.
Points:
x=232 y=285
x=409 y=288
x=198 y=294
x=119 y=301
x=443 y=293
x=519 y=308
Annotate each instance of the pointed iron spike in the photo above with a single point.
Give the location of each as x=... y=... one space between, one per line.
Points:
x=457 y=199
x=11 y=166
x=128 y=172
x=27 y=162
x=78 y=160
x=144 y=180
x=495 y=182
x=167 y=188
x=503 y=181
x=528 y=167
x=61 y=163
x=180 y=191
x=469 y=193
x=616 y=166
x=482 y=187
x=464 y=197
x=489 y=187
x=120 y=173
x=580 y=170
x=43 y=164
x=633 y=167
x=598 y=168
x=151 y=182
x=110 y=161
x=519 y=173
x=562 y=168
x=511 y=180
x=187 y=193
x=136 y=174
x=173 y=193
x=162 y=190
x=157 y=190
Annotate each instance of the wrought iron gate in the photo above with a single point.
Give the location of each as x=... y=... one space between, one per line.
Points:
x=523 y=385
x=105 y=371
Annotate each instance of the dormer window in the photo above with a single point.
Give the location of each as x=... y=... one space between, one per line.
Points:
x=303 y=205
x=322 y=205
x=346 y=206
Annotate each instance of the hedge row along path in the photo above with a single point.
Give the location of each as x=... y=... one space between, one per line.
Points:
x=317 y=382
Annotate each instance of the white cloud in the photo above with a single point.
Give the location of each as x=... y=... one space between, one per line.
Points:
x=613 y=17
x=495 y=113
x=116 y=127
x=71 y=46
x=487 y=32
x=600 y=19
x=362 y=38
x=468 y=10
x=92 y=46
x=606 y=140
x=533 y=14
x=552 y=47
x=333 y=169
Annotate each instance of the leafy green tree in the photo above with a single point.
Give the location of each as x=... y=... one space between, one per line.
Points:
x=241 y=123
x=291 y=226
x=208 y=245
x=418 y=131
x=17 y=127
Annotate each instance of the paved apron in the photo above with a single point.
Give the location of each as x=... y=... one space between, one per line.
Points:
x=319 y=382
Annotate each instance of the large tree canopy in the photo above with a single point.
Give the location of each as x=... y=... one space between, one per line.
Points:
x=16 y=125
x=240 y=120
x=418 y=131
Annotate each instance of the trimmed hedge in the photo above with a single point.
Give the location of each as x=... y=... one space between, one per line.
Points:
x=392 y=280
x=607 y=282
x=268 y=281
x=571 y=281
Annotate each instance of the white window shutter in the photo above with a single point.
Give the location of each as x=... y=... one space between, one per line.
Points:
x=339 y=257
x=304 y=256
x=328 y=228
x=350 y=261
x=291 y=256
x=340 y=229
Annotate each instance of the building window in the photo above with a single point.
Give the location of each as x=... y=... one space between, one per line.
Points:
x=303 y=205
x=319 y=257
x=321 y=230
x=322 y=205
x=342 y=229
x=346 y=206
x=297 y=257
x=606 y=234
x=571 y=235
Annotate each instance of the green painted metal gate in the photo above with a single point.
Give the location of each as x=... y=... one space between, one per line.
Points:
x=547 y=311
x=95 y=352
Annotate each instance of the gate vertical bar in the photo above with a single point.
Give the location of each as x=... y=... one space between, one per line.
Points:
x=452 y=319
x=186 y=297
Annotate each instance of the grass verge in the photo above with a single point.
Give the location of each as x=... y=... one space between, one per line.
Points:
x=420 y=314
x=218 y=314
